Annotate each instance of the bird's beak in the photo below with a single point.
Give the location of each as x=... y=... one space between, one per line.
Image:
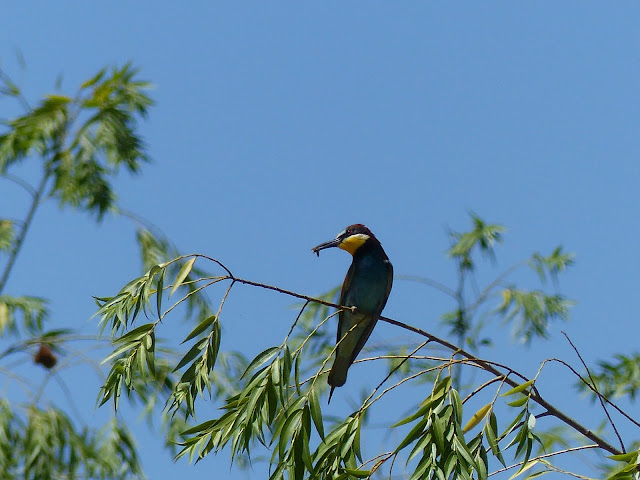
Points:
x=331 y=243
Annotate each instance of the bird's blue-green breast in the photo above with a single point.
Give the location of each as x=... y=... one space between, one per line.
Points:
x=367 y=289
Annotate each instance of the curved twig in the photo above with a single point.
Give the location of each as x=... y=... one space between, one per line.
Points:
x=546 y=455
x=604 y=406
x=430 y=282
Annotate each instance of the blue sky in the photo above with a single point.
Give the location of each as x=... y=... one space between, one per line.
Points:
x=277 y=125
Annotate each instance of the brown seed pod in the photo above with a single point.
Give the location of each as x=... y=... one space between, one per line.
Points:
x=45 y=356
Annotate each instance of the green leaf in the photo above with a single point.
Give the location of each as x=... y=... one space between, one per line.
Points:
x=431 y=402
x=526 y=466
x=518 y=389
x=182 y=274
x=438 y=432
x=59 y=99
x=464 y=452
x=537 y=474
x=159 y=293
x=191 y=354
x=356 y=441
x=296 y=372
x=316 y=413
x=491 y=431
x=358 y=473
x=519 y=402
x=261 y=359
x=93 y=80
x=201 y=327
x=624 y=457
x=415 y=433
x=456 y=401
x=290 y=425
x=7 y=234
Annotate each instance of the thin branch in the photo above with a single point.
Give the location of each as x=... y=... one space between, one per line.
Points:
x=295 y=322
x=393 y=370
x=20 y=182
x=69 y=396
x=604 y=407
x=546 y=455
x=616 y=407
x=481 y=387
x=487 y=291
x=427 y=281
x=23 y=231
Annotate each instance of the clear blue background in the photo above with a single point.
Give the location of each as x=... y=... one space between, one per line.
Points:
x=278 y=124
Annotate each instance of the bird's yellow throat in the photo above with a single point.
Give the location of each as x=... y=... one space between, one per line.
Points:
x=354 y=242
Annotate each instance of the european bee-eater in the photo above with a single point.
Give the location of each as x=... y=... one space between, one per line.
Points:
x=366 y=287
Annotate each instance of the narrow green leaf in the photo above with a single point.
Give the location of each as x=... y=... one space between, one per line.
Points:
x=425 y=464
x=519 y=402
x=95 y=79
x=191 y=354
x=624 y=457
x=526 y=466
x=290 y=425
x=201 y=327
x=513 y=424
x=456 y=401
x=537 y=474
x=135 y=334
x=438 y=432
x=518 y=389
x=286 y=367
x=431 y=402
x=415 y=433
x=358 y=473
x=59 y=99
x=449 y=464
x=182 y=274
x=316 y=414
x=481 y=464
x=159 y=292
x=275 y=374
x=356 y=441
x=464 y=452
x=261 y=359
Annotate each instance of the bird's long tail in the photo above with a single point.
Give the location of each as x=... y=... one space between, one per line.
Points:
x=338 y=374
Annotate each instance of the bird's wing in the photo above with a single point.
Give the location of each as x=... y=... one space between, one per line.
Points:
x=389 y=285
x=343 y=294
x=373 y=319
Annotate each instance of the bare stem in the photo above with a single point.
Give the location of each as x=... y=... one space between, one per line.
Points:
x=593 y=382
x=546 y=455
x=37 y=195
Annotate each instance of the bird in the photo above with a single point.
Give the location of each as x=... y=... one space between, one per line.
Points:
x=366 y=287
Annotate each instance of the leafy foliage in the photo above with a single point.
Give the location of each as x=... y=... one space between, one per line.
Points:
x=532 y=311
x=7 y=234
x=276 y=402
x=617 y=378
x=44 y=444
x=81 y=142
x=33 y=312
